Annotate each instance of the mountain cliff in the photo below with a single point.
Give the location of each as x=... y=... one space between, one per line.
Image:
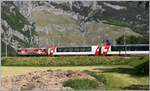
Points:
x=43 y=23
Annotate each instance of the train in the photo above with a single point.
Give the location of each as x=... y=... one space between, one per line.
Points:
x=105 y=50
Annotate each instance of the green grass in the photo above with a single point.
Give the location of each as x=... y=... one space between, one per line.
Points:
x=139 y=61
x=71 y=61
x=98 y=77
x=117 y=23
x=116 y=81
x=82 y=84
x=120 y=81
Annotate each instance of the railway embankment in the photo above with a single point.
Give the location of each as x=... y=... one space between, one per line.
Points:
x=72 y=61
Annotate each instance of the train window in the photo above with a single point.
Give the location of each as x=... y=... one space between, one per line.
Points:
x=77 y=49
x=82 y=49
x=59 y=50
x=130 y=48
x=137 y=48
x=66 y=50
x=74 y=49
x=141 y=48
x=71 y=49
x=62 y=50
x=88 y=49
x=117 y=48
x=114 y=48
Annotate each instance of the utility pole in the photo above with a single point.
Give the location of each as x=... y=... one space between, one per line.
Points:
x=5 y=37
x=103 y=37
x=124 y=38
x=6 y=49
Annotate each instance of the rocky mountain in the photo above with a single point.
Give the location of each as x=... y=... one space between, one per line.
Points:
x=42 y=23
x=16 y=30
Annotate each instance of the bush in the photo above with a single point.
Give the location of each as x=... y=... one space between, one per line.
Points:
x=138 y=61
x=82 y=84
x=137 y=87
x=100 y=78
x=131 y=39
x=143 y=68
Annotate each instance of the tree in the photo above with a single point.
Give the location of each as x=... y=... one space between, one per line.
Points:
x=131 y=39
x=146 y=4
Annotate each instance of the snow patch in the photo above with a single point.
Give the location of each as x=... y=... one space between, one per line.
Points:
x=117 y=7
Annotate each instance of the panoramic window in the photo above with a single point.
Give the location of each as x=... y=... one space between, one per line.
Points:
x=74 y=49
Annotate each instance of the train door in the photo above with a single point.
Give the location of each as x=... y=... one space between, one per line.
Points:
x=99 y=50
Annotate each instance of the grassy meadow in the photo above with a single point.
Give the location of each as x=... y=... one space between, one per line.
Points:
x=72 y=61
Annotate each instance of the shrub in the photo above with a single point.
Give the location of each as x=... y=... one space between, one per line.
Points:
x=143 y=68
x=131 y=39
x=138 y=61
x=100 y=78
x=82 y=84
x=137 y=87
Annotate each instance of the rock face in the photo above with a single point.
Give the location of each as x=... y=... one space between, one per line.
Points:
x=43 y=23
x=48 y=80
x=17 y=31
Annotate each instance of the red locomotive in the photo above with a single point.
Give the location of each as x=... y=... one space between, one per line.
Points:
x=31 y=51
